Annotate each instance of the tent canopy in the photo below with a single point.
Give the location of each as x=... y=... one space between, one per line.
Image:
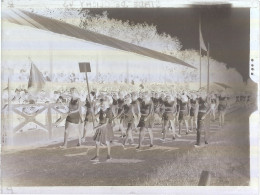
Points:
x=22 y=17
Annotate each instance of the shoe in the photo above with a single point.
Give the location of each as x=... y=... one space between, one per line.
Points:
x=151 y=145
x=79 y=144
x=138 y=147
x=95 y=158
x=163 y=140
x=177 y=135
x=187 y=133
x=206 y=142
x=63 y=147
x=109 y=157
x=173 y=138
x=197 y=145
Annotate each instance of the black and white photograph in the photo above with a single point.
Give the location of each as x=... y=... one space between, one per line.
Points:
x=136 y=94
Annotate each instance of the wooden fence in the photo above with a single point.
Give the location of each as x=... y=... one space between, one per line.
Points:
x=28 y=114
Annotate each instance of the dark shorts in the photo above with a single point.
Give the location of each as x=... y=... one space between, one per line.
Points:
x=147 y=124
x=168 y=116
x=183 y=115
x=88 y=117
x=222 y=107
x=74 y=118
x=192 y=112
x=128 y=121
x=200 y=115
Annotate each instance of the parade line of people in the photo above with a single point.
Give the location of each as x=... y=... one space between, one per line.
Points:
x=141 y=111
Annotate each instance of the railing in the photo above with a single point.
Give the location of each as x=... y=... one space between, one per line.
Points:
x=29 y=114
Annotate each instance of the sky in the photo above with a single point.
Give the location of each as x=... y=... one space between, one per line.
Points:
x=226 y=29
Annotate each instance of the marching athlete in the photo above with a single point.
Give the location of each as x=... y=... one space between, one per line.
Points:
x=73 y=119
x=183 y=113
x=146 y=109
x=101 y=132
x=204 y=110
x=194 y=109
x=170 y=110
x=222 y=107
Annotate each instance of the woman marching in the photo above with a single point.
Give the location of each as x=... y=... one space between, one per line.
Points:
x=128 y=116
x=73 y=120
x=136 y=106
x=222 y=107
x=101 y=132
x=183 y=113
x=111 y=116
x=213 y=105
x=157 y=109
x=90 y=116
x=146 y=109
x=170 y=110
x=194 y=109
x=120 y=104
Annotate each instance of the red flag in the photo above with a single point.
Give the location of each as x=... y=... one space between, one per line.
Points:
x=202 y=44
x=36 y=79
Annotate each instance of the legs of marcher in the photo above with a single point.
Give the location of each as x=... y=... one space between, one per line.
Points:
x=66 y=134
x=97 y=151
x=128 y=134
x=150 y=132
x=108 y=149
x=180 y=126
x=141 y=136
x=79 y=133
x=191 y=122
x=97 y=148
x=121 y=128
x=214 y=113
x=165 y=127
x=221 y=118
x=172 y=122
x=186 y=125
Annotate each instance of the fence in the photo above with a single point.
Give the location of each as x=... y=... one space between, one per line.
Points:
x=45 y=116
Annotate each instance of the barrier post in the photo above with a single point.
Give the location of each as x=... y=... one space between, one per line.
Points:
x=204 y=178
x=9 y=130
x=49 y=117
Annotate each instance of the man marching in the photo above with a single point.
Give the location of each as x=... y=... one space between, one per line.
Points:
x=204 y=110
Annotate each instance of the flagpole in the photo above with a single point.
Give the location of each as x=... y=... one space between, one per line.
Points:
x=208 y=69
x=200 y=48
x=91 y=104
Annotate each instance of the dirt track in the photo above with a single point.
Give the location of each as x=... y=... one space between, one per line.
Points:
x=51 y=166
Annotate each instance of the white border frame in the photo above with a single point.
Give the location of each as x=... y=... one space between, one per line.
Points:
x=254 y=119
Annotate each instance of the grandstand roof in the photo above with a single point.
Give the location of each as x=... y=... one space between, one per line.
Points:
x=22 y=17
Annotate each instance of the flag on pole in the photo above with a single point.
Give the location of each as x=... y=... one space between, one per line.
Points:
x=36 y=79
x=202 y=44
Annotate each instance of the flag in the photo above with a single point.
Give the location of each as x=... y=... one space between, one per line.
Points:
x=202 y=44
x=36 y=79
